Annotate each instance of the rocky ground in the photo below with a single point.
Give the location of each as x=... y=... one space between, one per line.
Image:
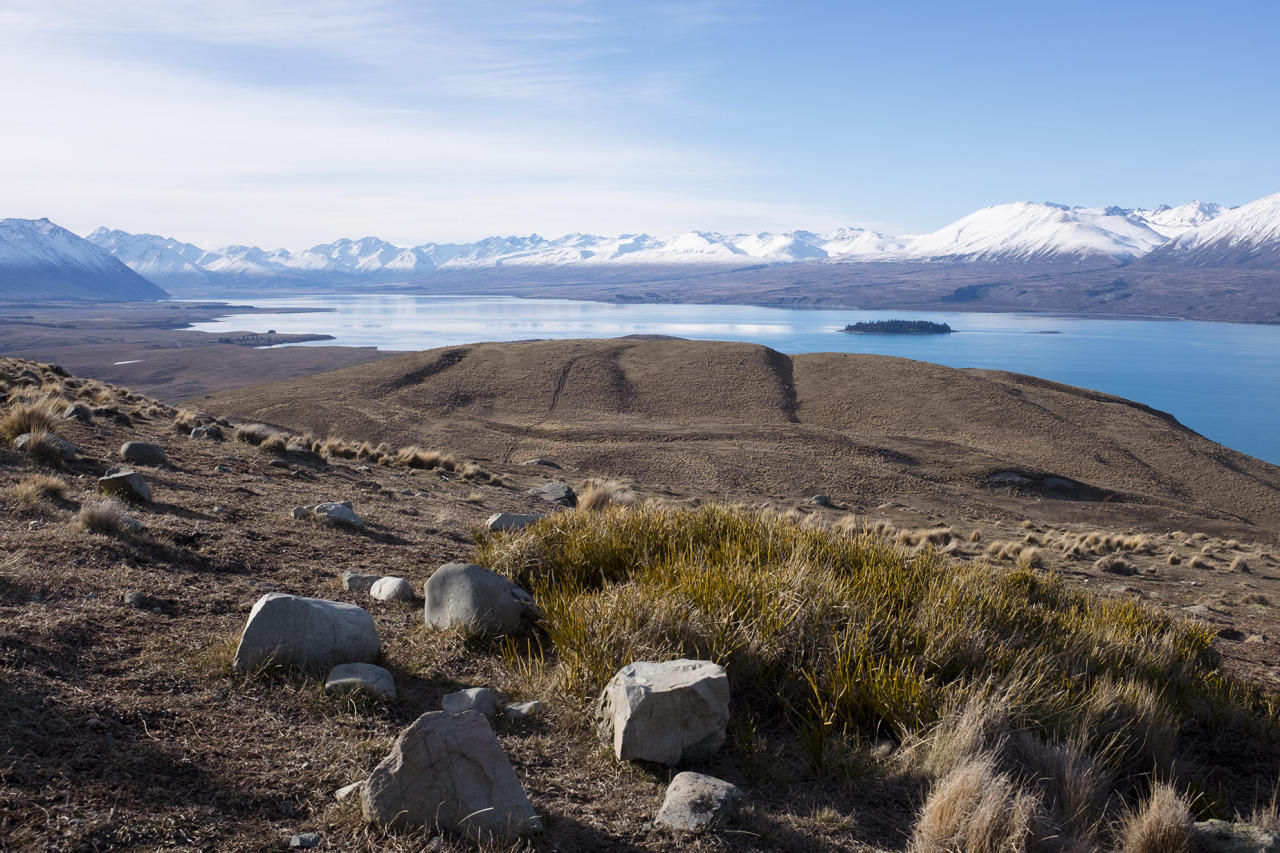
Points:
x=125 y=725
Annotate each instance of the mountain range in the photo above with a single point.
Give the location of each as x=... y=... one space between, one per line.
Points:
x=1196 y=233
x=37 y=256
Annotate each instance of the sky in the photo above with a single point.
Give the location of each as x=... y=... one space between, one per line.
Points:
x=286 y=124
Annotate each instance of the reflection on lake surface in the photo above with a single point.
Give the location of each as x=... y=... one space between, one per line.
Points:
x=1220 y=379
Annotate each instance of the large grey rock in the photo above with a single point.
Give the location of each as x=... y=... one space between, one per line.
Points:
x=475 y=600
x=65 y=448
x=480 y=699
x=448 y=772
x=289 y=630
x=361 y=678
x=665 y=712
x=695 y=802
x=337 y=513
x=125 y=484
x=359 y=581
x=1220 y=836
x=502 y=521
x=392 y=589
x=556 y=492
x=143 y=453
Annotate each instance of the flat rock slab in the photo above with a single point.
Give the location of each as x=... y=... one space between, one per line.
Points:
x=289 y=630
x=695 y=802
x=361 y=678
x=336 y=513
x=502 y=521
x=359 y=581
x=556 y=492
x=143 y=453
x=392 y=589
x=475 y=600
x=480 y=699
x=665 y=712
x=125 y=484
x=1220 y=836
x=448 y=772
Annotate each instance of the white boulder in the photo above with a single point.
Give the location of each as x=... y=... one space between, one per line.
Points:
x=476 y=600
x=448 y=772
x=665 y=712
x=361 y=678
x=289 y=630
x=392 y=589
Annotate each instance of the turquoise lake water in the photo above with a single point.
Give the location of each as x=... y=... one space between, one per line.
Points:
x=1220 y=379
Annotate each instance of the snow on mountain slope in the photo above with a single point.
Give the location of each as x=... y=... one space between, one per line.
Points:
x=860 y=243
x=1172 y=221
x=1247 y=236
x=154 y=257
x=41 y=260
x=1022 y=231
x=1025 y=231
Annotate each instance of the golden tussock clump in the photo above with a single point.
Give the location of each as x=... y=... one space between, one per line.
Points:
x=1163 y=824
x=600 y=493
x=35 y=490
x=26 y=416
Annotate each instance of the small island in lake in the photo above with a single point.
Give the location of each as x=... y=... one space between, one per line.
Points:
x=898 y=327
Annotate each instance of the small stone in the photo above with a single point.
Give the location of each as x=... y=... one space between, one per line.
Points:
x=277 y=463
x=524 y=710
x=361 y=677
x=392 y=589
x=136 y=599
x=209 y=433
x=359 y=581
x=556 y=492
x=480 y=699
x=695 y=802
x=301 y=512
x=108 y=741
x=820 y=500
x=1198 y=610
x=501 y=521
x=221 y=469
x=540 y=461
x=338 y=514
x=346 y=791
x=306 y=839
x=66 y=449
x=1257 y=638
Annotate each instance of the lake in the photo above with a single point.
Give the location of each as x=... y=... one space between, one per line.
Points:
x=1220 y=379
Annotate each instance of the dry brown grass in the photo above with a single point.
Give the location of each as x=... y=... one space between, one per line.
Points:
x=977 y=809
x=108 y=518
x=26 y=415
x=35 y=491
x=257 y=433
x=1163 y=824
x=600 y=493
x=45 y=448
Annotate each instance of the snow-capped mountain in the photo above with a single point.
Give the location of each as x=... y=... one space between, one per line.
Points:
x=1173 y=221
x=1196 y=233
x=41 y=260
x=1246 y=237
x=1025 y=231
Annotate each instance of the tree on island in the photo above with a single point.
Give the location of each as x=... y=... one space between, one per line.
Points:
x=899 y=327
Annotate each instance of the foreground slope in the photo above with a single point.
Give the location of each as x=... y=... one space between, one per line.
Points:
x=741 y=419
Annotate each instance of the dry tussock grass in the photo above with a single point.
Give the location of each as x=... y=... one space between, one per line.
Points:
x=43 y=447
x=108 y=518
x=36 y=491
x=601 y=493
x=1163 y=824
x=977 y=809
x=30 y=415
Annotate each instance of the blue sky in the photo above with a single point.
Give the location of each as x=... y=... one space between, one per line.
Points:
x=287 y=124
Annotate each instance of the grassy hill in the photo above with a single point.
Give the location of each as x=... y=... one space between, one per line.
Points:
x=941 y=656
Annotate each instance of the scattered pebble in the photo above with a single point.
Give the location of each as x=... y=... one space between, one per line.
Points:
x=306 y=839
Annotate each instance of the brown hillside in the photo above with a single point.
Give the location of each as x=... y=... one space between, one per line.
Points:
x=743 y=420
